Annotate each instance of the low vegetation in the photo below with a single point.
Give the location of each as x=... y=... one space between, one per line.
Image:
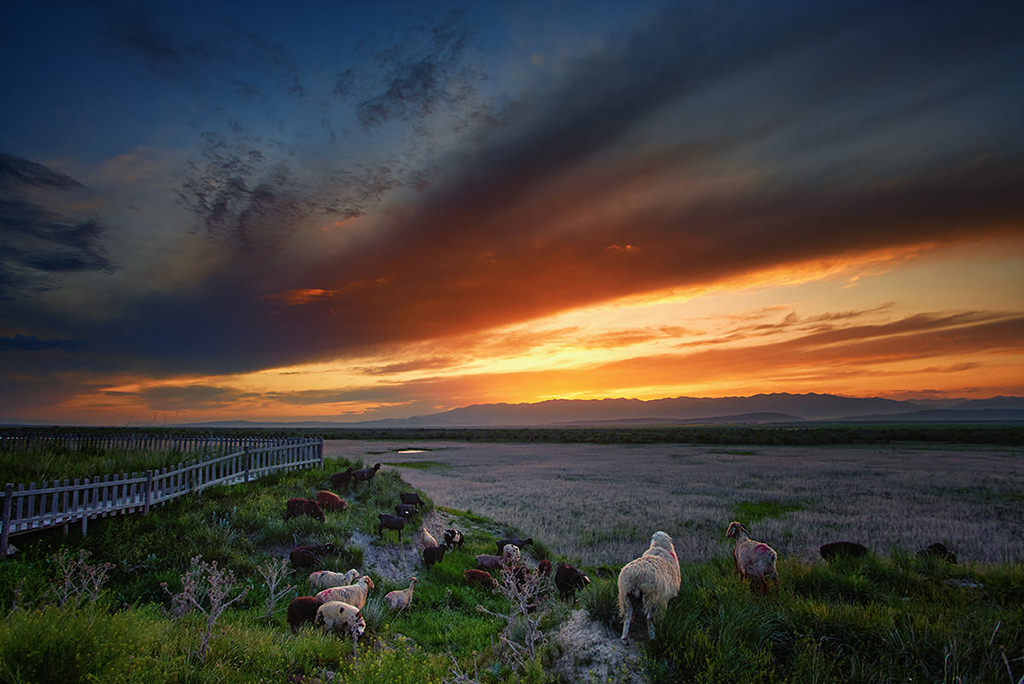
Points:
x=194 y=592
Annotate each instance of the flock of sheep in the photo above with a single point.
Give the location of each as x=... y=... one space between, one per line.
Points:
x=645 y=584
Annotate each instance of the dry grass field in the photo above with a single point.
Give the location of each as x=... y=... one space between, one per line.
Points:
x=597 y=504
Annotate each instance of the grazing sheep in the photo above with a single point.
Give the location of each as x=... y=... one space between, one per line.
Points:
x=329 y=501
x=411 y=498
x=424 y=539
x=847 y=549
x=754 y=560
x=649 y=582
x=510 y=555
x=325 y=579
x=364 y=475
x=405 y=511
x=453 y=538
x=479 y=578
x=939 y=550
x=400 y=599
x=390 y=522
x=343 y=617
x=488 y=562
x=342 y=479
x=514 y=541
x=298 y=506
x=353 y=594
x=433 y=554
x=300 y=610
x=309 y=555
x=569 y=580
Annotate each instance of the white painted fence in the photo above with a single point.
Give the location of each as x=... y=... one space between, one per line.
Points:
x=32 y=507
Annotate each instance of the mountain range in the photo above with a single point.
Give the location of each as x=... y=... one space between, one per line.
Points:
x=759 y=409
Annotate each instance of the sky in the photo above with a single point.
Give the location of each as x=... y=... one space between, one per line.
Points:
x=352 y=211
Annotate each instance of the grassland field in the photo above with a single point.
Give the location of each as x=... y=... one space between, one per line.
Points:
x=599 y=503
x=889 y=617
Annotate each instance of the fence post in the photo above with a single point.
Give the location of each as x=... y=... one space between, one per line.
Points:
x=320 y=452
x=8 y=500
x=88 y=499
x=149 y=491
x=248 y=463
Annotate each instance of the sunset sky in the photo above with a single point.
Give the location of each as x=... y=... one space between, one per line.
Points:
x=351 y=211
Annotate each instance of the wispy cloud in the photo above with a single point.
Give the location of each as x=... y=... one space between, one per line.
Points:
x=37 y=243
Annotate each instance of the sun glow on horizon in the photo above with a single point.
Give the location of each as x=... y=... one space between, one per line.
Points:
x=829 y=326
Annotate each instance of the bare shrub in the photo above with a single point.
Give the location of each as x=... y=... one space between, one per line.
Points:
x=207 y=589
x=80 y=579
x=527 y=593
x=274 y=571
x=459 y=676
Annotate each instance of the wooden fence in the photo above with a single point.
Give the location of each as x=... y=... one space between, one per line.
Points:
x=33 y=508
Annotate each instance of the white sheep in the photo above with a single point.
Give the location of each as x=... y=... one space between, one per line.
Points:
x=754 y=560
x=650 y=581
x=511 y=554
x=343 y=617
x=400 y=599
x=353 y=594
x=325 y=579
x=424 y=539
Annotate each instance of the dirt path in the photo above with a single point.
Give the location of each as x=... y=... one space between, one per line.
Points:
x=398 y=562
x=592 y=653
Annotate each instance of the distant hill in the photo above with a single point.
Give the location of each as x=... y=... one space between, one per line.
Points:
x=975 y=415
x=755 y=409
x=759 y=408
x=764 y=417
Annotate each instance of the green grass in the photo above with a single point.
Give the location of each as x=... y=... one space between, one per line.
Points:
x=749 y=512
x=420 y=465
x=872 y=619
x=39 y=465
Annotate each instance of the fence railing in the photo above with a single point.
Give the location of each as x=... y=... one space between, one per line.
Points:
x=32 y=507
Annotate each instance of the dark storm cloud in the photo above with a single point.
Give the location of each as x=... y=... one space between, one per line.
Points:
x=36 y=242
x=29 y=343
x=851 y=128
x=15 y=171
x=486 y=244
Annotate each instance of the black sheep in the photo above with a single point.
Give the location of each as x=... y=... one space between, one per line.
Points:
x=342 y=479
x=847 y=549
x=434 y=554
x=310 y=555
x=298 y=506
x=302 y=609
x=939 y=550
x=405 y=510
x=514 y=541
x=390 y=522
x=411 y=498
x=569 y=580
x=365 y=475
